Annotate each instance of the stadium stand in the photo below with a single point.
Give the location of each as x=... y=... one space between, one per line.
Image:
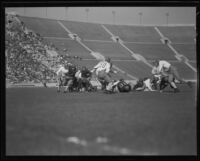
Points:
x=135 y=68
x=188 y=50
x=88 y=31
x=34 y=57
x=135 y=33
x=179 y=34
x=110 y=49
x=184 y=71
x=73 y=48
x=45 y=27
x=152 y=51
x=27 y=58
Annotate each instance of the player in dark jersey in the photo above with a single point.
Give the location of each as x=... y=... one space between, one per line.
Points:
x=70 y=77
x=120 y=86
x=84 y=76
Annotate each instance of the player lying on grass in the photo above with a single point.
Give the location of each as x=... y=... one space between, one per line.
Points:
x=165 y=69
x=102 y=71
x=147 y=84
x=119 y=86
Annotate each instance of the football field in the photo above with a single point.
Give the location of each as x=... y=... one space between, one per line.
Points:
x=40 y=121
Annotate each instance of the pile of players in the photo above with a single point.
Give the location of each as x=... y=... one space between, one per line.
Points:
x=73 y=78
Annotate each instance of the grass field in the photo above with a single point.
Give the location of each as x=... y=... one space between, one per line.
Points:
x=40 y=121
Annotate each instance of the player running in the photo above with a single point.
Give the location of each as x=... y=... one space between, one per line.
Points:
x=103 y=70
x=165 y=69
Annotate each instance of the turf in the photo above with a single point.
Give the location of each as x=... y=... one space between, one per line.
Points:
x=39 y=121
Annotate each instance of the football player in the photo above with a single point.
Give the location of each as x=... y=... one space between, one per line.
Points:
x=61 y=76
x=83 y=76
x=119 y=86
x=70 y=77
x=146 y=84
x=103 y=70
x=170 y=72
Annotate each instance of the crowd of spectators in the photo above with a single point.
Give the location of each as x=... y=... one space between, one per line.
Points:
x=28 y=56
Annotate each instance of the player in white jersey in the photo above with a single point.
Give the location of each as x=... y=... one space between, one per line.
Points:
x=103 y=70
x=146 y=84
x=60 y=75
x=165 y=69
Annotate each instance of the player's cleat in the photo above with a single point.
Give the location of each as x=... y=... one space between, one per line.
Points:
x=189 y=83
x=161 y=91
x=176 y=90
x=58 y=91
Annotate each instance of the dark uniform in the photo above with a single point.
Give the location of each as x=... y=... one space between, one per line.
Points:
x=70 y=76
x=123 y=86
x=84 y=81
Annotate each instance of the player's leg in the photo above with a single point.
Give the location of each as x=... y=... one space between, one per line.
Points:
x=177 y=76
x=163 y=83
x=109 y=81
x=59 y=83
x=66 y=83
x=172 y=83
x=101 y=79
x=80 y=84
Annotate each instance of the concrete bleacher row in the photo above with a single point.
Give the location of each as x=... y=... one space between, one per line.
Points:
x=141 y=40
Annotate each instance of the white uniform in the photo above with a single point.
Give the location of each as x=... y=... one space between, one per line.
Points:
x=62 y=71
x=163 y=66
x=148 y=85
x=102 y=66
x=78 y=74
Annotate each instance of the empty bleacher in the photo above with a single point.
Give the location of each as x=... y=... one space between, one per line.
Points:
x=142 y=40
x=111 y=49
x=45 y=27
x=188 y=50
x=184 y=71
x=136 y=68
x=88 y=31
x=179 y=34
x=152 y=51
x=135 y=33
